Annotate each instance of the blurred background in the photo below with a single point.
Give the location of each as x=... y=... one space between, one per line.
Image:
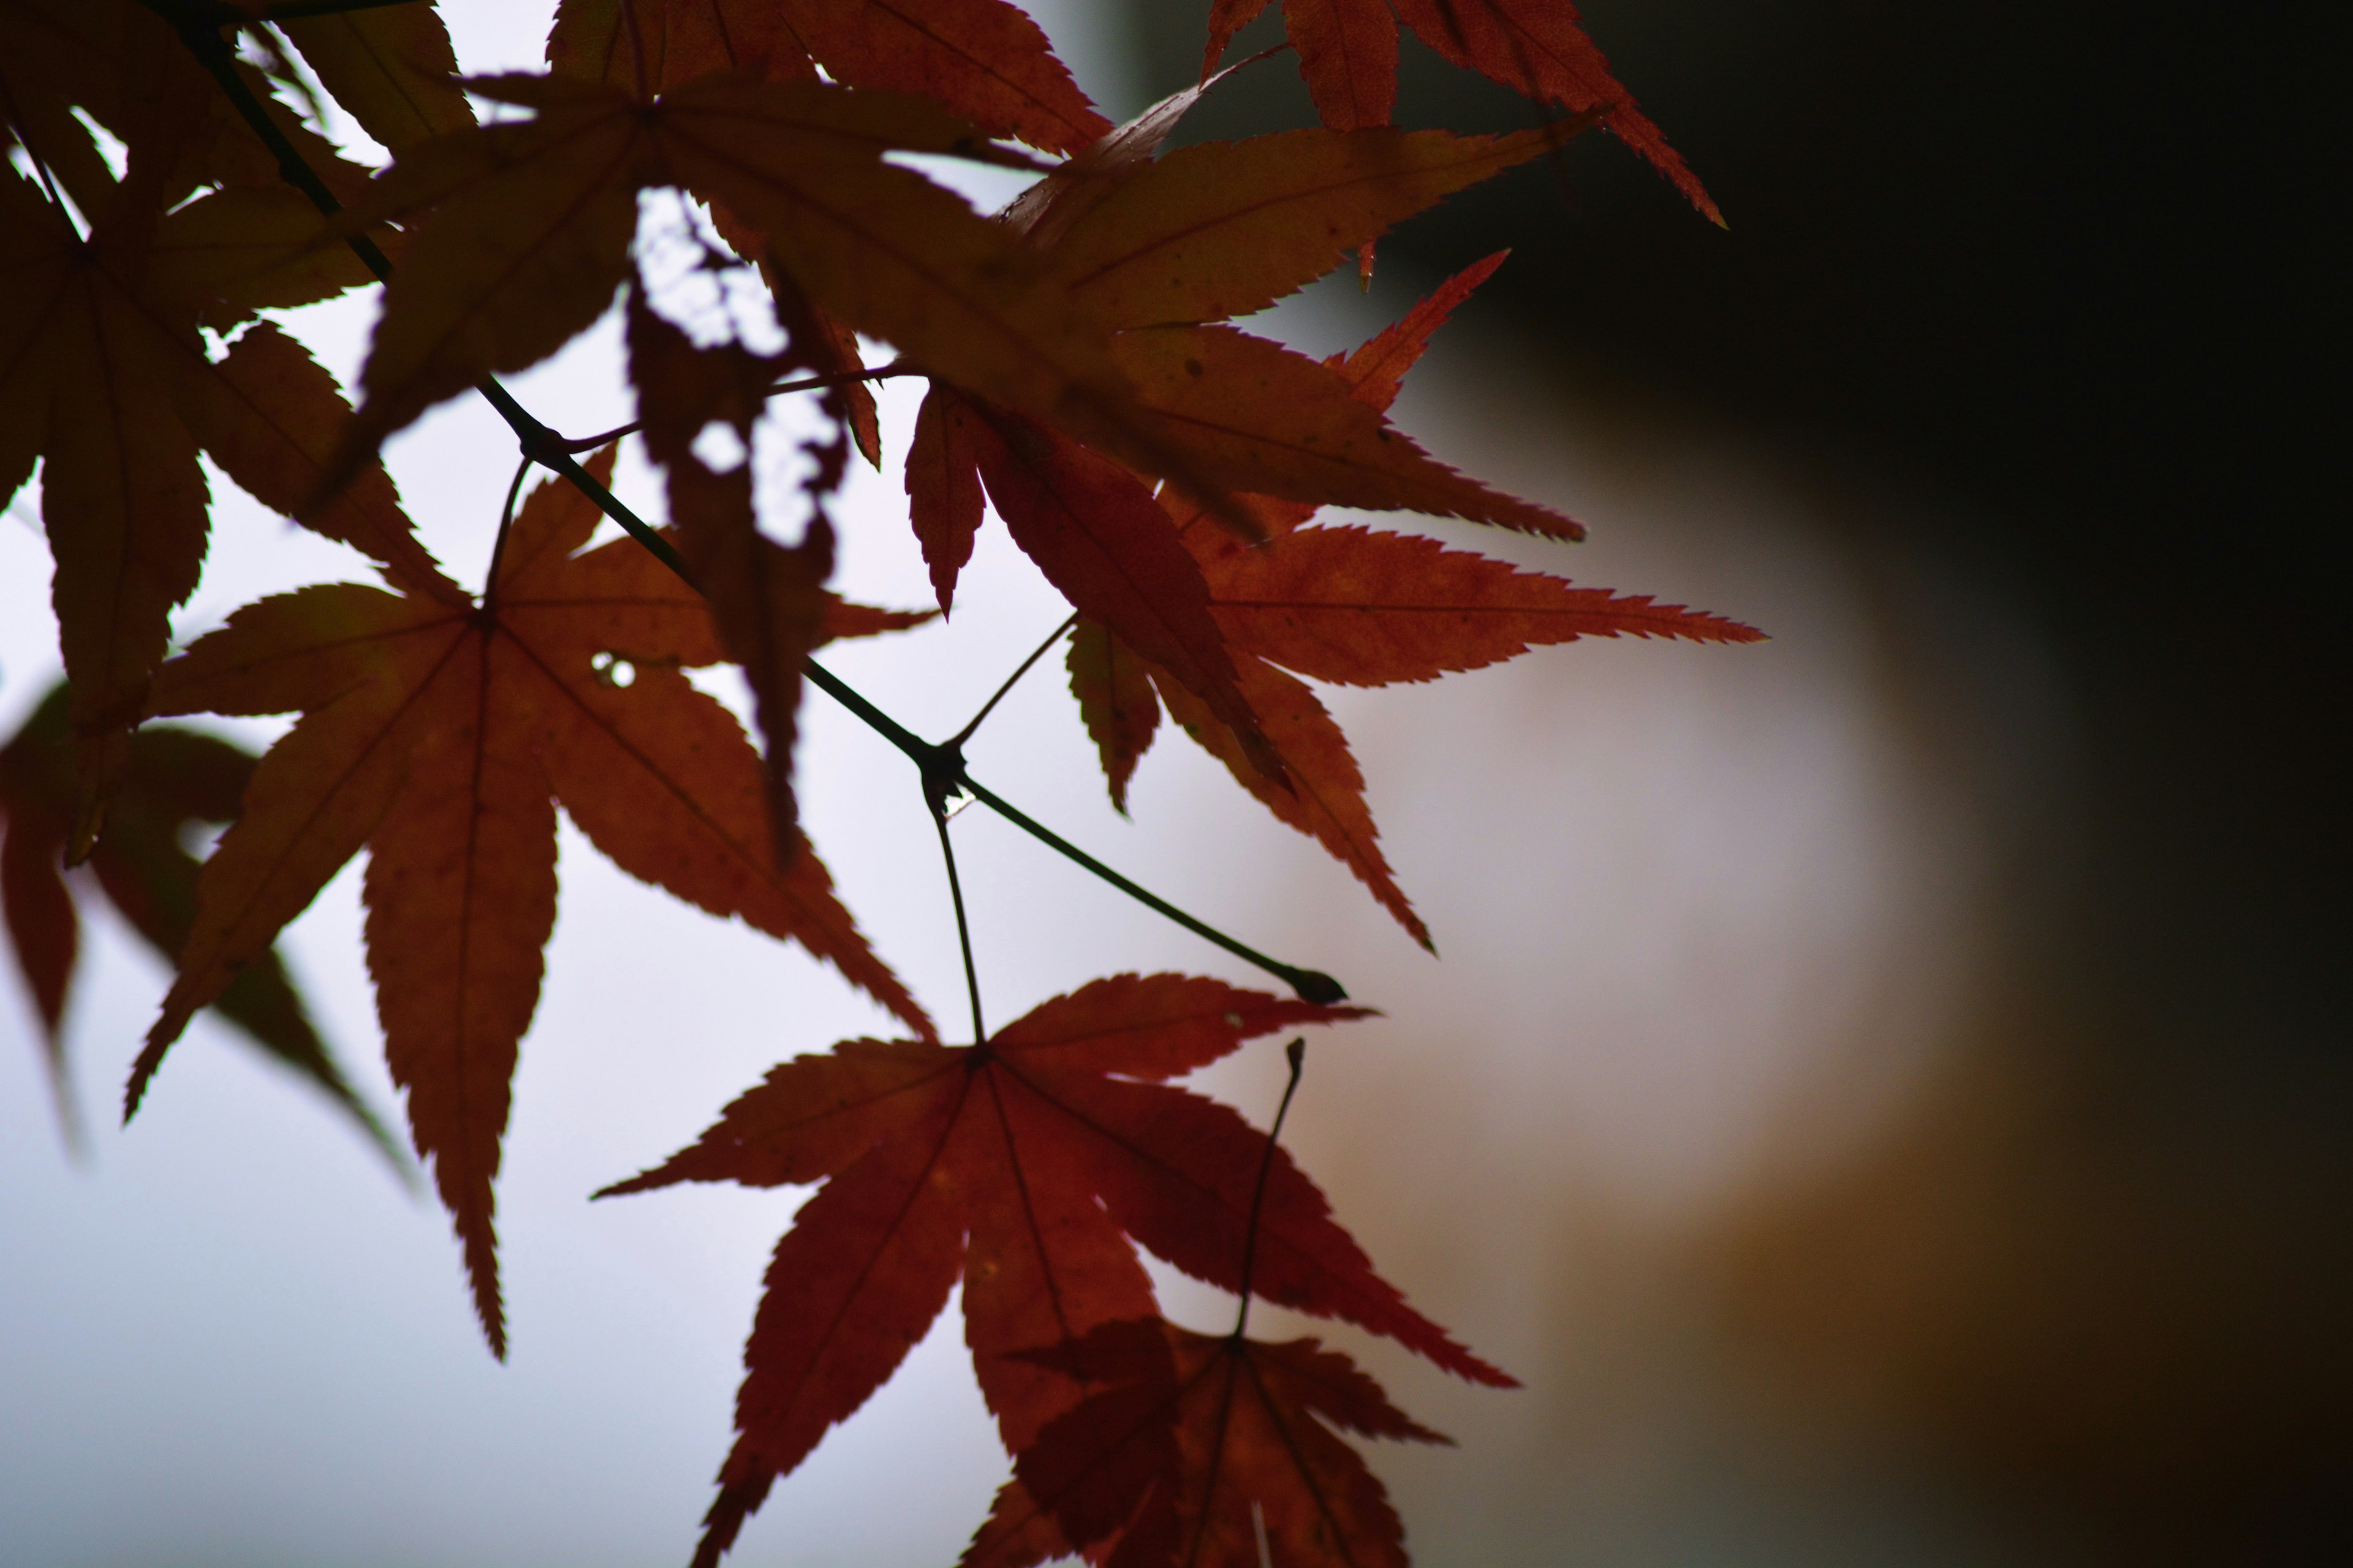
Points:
x=1886 y=1092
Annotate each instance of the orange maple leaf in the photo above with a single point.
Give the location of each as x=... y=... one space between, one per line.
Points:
x=1014 y=1165
x=442 y=735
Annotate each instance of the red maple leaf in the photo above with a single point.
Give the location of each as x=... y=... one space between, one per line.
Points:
x=441 y=734
x=1350 y=605
x=1538 y=48
x=1014 y=1165
x=1208 y=1452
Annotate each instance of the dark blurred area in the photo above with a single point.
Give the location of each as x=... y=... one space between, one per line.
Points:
x=2057 y=278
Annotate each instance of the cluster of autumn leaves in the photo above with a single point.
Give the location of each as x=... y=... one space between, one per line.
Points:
x=1161 y=465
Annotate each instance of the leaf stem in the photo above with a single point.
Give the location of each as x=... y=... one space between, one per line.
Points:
x=939 y=808
x=199 y=28
x=506 y=524
x=1297 y=1054
x=942 y=766
x=961 y=736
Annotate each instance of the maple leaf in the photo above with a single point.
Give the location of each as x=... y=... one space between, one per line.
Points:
x=524 y=234
x=767 y=599
x=105 y=378
x=442 y=735
x=1206 y=232
x=1072 y=187
x=1099 y=536
x=173 y=779
x=817 y=340
x=1213 y=1452
x=1349 y=606
x=391 y=67
x=127 y=68
x=943 y=490
x=1116 y=702
x=645 y=47
x=1261 y=419
x=983 y=59
x=1538 y=48
x=1157 y=248
x=1225 y=228
x=1016 y=1165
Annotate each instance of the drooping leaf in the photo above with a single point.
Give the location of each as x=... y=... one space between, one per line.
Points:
x=442 y=736
x=86 y=382
x=944 y=496
x=818 y=341
x=1101 y=539
x=173 y=779
x=827 y=347
x=1210 y=1452
x=981 y=59
x=768 y=599
x=1014 y=1165
x=1116 y=702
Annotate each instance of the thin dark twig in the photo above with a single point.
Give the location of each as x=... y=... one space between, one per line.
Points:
x=956 y=893
x=1297 y=1054
x=506 y=525
x=1311 y=986
x=805 y=383
x=961 y=736
x=201 y=37
x=547 y=449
